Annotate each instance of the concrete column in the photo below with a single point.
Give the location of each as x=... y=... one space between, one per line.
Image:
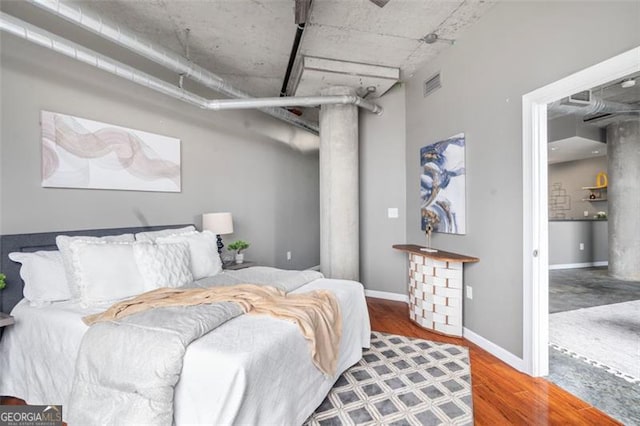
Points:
x=623 y=193
x=339 y=189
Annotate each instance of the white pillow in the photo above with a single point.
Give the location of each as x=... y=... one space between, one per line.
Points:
x=151 y=236
x=64 y=242
x=163 y=265
x=203 y=249
x=44 y=277
x=105 y=271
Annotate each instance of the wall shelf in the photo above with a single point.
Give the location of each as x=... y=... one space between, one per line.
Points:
x=596 y=193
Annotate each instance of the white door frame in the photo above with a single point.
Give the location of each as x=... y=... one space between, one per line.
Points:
x=535 y=202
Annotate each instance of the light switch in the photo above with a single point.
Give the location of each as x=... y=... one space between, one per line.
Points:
x=392 y=212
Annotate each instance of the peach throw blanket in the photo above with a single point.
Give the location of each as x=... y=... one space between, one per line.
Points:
x=317 y=314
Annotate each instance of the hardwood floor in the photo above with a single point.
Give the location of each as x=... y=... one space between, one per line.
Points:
x=501 y=394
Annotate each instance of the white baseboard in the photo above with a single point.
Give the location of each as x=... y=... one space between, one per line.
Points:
x=387 y=295
x=493 y=349
x=579 y=265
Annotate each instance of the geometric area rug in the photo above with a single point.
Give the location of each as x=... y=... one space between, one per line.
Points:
x=401 y=381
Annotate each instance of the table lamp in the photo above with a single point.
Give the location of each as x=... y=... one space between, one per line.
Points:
x=219 y=224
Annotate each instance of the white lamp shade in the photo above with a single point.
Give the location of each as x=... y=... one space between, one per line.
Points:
x=218 y=223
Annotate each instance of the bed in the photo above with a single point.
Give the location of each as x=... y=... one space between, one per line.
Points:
x=250 y=370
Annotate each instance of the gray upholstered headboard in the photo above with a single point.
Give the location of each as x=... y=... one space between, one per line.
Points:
x=12 y=294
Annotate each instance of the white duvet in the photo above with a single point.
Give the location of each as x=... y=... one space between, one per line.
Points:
x=250 y=370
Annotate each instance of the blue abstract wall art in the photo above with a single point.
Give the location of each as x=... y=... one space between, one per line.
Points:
x=442 y=185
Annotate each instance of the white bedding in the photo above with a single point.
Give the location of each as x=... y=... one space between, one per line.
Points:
x=251 y=370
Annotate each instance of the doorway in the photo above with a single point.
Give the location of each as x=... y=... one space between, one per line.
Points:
x=535 y=199
x=593 y=317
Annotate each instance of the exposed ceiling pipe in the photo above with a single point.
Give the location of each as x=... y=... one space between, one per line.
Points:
x=73 y=50
x=292 y=58
x=289 y=101
x=122 y=37
x=301 y=11
x=595 y=106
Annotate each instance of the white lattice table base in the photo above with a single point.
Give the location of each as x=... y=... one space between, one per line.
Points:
x=435 y=294
x=435 y=289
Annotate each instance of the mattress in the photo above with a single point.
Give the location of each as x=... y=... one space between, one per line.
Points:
x=250 y=370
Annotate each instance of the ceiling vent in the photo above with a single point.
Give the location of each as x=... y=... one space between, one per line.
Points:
x=431 y=85
x=380 y=3
x=579 y=99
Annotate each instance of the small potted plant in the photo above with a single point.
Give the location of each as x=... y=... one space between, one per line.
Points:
x=3 y=284
x=600 y=215
x=238 y=246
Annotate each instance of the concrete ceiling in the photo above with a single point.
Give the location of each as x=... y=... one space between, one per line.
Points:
x=249 y=42
x=613 y=91
x=246 y=42
x=360 y=31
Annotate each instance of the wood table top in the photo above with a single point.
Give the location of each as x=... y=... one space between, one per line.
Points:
x=439 y=255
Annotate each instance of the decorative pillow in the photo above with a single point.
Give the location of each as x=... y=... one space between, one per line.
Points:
x=203 y=249
x=151 y=236
x=44 y=277
x=64 y=242
x=105 y=271
x=163 y=265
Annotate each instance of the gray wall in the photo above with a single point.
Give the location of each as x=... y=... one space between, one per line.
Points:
x=565 y=238
x=231 y=161
x=514 y=49
x=383 y=185
x=573 y=176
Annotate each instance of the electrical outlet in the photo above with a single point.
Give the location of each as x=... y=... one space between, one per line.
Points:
x=288 y=255
x=586 y=213
x=581 y=246
x=392 y=212
x=469 y=292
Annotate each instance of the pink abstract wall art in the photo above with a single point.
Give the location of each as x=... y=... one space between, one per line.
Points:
x=80 y=153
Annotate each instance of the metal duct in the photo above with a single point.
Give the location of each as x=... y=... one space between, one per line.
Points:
x=596 y=106
x=73 y=50
x=168 y=59
x=221 y=104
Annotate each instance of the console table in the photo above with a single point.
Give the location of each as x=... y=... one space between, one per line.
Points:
x=435 y=288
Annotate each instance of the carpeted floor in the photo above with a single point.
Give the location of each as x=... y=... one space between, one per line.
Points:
x=402 y=381
x=607 y=336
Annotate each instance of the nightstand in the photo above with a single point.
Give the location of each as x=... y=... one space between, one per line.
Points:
x=235 y=266
x=5 y=320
